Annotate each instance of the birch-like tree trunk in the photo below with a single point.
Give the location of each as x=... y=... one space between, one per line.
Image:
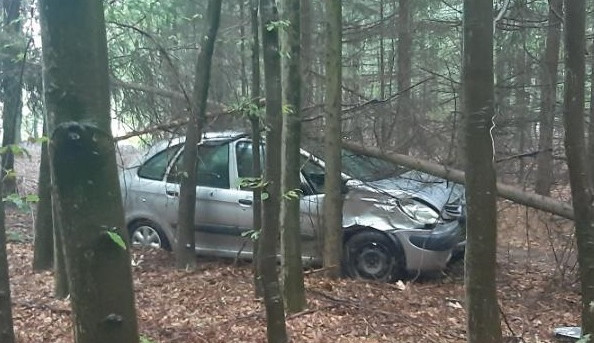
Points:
x=185 y=245
x=481 y=233
x=82 y=158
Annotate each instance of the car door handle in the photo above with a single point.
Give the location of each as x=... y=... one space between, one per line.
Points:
x=246 y=201
x=172 y=193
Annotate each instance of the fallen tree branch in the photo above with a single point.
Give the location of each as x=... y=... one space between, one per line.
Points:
x=506 y=191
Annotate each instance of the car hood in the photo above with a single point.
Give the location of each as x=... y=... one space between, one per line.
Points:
x=433 y=190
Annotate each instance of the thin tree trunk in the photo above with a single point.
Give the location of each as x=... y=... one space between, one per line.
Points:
x=292 y=268
x=43 y=248
x=256 y=146
x=307 y=58
x=11 y=90
x=405 y=113
x=544 y=160
x=185 y=249
x=6 y=324
x=82 y=157
x=332 y=255
x=481 y=233
x=275 y=312
x=575 y=147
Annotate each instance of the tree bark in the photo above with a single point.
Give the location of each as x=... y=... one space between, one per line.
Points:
x=275 y=312
x=405 y=113
x=256 y=147
x=332 y=255
x=544 y=160
x=82 y=158
x=12 y=90
x=575 y=147
x=43 y=248
x=6 y=323
x=483 y=325
x=185 y=247
x=292 y=268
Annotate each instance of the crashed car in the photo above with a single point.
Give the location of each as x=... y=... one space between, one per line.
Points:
x=395 y=221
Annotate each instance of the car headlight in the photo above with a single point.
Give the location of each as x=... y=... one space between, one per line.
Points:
x=418 y=211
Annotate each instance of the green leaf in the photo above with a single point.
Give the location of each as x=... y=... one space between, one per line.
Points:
x=117 y=239
x=292 y=194
x=32 y=198
x=265 y=196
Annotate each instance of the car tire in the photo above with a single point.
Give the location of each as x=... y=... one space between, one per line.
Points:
x=144 y=233
x=374 y=256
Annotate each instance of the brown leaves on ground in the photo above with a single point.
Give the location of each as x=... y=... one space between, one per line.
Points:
x=216 y=302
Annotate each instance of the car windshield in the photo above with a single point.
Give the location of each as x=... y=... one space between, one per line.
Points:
x=366 y=168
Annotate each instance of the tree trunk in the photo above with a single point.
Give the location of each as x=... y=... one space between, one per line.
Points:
x=43 y=249
x=307 y=58
x=544 y=160
x=256 y=135
x=185 y=248
x=405 y=113
x=575 y=146
x=481 y=234
x=6 y=325
x=82 y=157
x=256 y=147
x=292 y=268
x=332 y=255
x=11 y=90
x=275 y=312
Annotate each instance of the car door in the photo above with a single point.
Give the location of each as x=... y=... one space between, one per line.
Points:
x=218 y=205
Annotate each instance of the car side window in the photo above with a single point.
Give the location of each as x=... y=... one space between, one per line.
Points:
x=314 y=174
x=154 y=168
x=212 y=168
x=245 y=158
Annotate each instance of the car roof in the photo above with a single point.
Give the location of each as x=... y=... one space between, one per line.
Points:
x=216 y=136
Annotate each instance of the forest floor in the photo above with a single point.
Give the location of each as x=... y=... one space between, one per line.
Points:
x=536 y=284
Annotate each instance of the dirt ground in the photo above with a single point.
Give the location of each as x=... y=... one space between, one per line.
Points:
x=537 y=288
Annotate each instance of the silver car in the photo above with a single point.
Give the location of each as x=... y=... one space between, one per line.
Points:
x=395 y=223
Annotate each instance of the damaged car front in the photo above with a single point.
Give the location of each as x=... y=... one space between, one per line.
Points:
x=421 y=216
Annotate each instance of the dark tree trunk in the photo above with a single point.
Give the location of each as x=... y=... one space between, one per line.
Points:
x=88 y=205
x=256 y=139
x=575 y=147
x=11 y=89
x=332 y=141
x=550 y=63
x=43 y=249
x=405 y=113
x=275 y=312
x=185 y=252
x=292 y=268
x=6 y=327
x=307 y=59
x=481 y=297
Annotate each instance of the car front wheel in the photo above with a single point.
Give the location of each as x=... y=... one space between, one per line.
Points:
x=147 y=234
x=372 y=255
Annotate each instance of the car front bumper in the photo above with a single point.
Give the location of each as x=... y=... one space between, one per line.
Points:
x=429 y=250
